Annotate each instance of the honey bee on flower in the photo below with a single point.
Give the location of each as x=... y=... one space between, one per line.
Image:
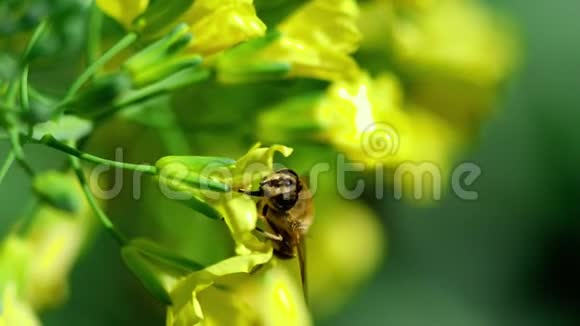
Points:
x=126 y=116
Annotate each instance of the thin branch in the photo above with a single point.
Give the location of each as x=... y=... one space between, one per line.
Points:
x=109 y=226
x=52 y=142
x=7 y=164
x=93 y=68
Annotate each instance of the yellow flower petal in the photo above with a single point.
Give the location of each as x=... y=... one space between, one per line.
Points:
x=15 y=256
x=57 y=245
x=365 y=119
x=186 y=309
x=218 y=25
x=317 y=40
x=123 y=11
x=354 y=110
x=281 y=301
x=257 y=163
x=462 y=39
x=269 y=297
x=15 y=312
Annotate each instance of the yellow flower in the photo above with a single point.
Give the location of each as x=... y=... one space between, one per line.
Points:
x=457 y=38
x=280 y=300
x=14 y=311
x=269 y=297
x=365 y=119
x=123 y=11
x=455 y=53
x=218 y=25
x=185 y=292
x=352 y=109
x=317 y=40
x=57 y=239
x=15 y=257
x=215 y=24
x=186 y=308
x=39 y=262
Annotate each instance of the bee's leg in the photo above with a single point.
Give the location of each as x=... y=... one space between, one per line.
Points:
x=263 y=209
x=269 y=235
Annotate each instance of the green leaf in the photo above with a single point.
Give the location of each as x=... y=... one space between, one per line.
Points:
x=68 y=127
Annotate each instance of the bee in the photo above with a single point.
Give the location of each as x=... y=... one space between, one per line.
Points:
x=286 y=206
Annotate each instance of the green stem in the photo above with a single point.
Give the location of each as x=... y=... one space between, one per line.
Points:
x=52 y=142
x=18 y=152
x=93 y=68
x=7 y=164
x=95 y=26
x=35 y=36
x=24 y=98
x=109 y=226
x=11 y=94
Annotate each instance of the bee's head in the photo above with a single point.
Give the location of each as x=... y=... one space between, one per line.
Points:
x=281 y=189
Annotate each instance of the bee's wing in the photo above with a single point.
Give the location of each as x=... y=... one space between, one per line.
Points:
x=302 y=262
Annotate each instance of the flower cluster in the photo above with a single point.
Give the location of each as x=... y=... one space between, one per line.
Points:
x=383 y=82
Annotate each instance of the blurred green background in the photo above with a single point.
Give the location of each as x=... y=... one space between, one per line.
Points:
x=510 y=258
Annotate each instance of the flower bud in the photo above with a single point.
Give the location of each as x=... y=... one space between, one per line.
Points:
x=101 y=95
x=162 y=58
x=188 y=176
x=240 y=64
x=57 y=190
